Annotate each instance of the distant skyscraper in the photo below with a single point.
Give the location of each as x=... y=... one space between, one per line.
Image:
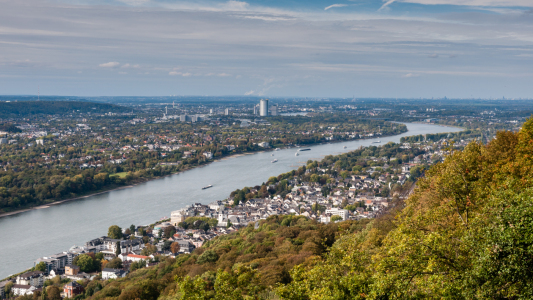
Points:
x=255 y=109
x=274 y=110
x=226 y=111
x=263 y=107
x=211 y=111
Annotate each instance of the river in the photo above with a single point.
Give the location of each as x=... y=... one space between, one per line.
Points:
x=27 y=236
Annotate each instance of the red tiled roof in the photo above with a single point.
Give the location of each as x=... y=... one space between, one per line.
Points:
x=137 y=256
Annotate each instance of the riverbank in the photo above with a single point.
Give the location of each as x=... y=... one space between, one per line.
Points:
x=144 y=180
x=57 y=229
x=141 y=181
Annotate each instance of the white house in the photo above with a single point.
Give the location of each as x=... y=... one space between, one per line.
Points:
x=335 y=211
x=35 y=278
x=108 y=273
x=135 y=257
x=21 y=289
x=178 y=216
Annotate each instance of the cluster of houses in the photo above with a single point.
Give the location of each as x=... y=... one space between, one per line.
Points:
x=31 y=282
x=347 y=198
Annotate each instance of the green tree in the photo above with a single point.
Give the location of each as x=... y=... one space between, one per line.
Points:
x=115 y=263
x=207 y=256
x=148 y=250
x=41 y=266
x=169 y=231
x=336 y=218
x=114 y=232
x=86 y=263
x=8 y=287
x=190 y=289
x=344 y=174
x=314 y=178
x=117 y=249
x=137 y=265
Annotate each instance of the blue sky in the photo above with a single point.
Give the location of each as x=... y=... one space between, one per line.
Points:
x=361 y=48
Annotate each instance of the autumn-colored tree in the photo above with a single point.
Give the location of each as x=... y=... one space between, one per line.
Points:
x=175 y=247
x=53 y=293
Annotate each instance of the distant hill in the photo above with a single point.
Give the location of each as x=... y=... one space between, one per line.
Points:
x=32 y=108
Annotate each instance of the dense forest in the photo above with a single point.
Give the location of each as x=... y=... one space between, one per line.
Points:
x=465 y=233
x=30 y=108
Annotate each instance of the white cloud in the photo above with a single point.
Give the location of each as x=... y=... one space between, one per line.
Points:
x=435 y=55
x=389 y=2
x=235 y=5
x=409 y=75
x=126 y=66
x=473 y=3
x=223 y=75
x=249 y=93
x=335 y=5
x=134 y=2
x=482 y=3
x=111 y=64
x=174 y=73
x=268 y=18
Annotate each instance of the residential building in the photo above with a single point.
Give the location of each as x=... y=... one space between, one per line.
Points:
x=34 y=278
x=72 y=270
x=177 y=217
x=22 y=289
x=72 y=289
x=135 y=257
x=108 y=273
x=334 y=211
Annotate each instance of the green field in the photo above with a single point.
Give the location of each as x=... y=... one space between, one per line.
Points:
x=121 y=174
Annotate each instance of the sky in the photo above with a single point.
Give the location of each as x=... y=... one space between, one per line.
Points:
x=268 y=48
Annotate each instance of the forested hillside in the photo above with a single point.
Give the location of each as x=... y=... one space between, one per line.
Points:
x=465 y=233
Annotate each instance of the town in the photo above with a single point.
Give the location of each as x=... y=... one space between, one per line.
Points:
x=352 y=186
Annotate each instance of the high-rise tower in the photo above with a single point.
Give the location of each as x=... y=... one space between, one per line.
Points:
x=263 y=107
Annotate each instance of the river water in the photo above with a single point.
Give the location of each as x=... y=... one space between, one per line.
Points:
x=30 y=235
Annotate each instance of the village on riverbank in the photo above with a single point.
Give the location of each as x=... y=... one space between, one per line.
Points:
x=357 y=185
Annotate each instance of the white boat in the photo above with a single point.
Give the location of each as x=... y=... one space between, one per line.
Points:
x=272 y=154
x=277 y=149
x=275 y=160
x=345 y=147
x=206 y=187
x=376 y=142
x=296 y=154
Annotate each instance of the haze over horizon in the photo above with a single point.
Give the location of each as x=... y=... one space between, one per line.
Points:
x=361 y=48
